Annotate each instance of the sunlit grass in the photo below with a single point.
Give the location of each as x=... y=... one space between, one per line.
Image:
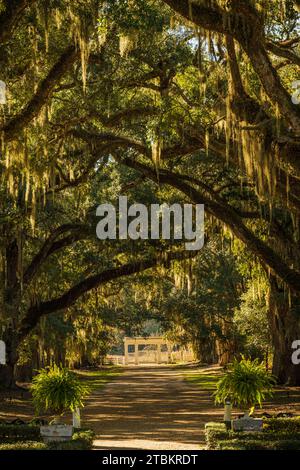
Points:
x=98 y=378
x=203 y=380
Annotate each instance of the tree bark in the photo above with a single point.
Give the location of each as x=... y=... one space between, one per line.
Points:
x=205 y=350
x=11 y=304
x=7 y=372
x=44 y=91
x=284 y=320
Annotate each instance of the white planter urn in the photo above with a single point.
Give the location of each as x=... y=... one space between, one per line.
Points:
x=56 y=432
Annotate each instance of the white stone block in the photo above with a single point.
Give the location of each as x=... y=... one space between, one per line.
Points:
x=56 y=432
x=247 y=424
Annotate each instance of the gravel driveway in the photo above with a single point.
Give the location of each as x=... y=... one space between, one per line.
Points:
x=150 y=408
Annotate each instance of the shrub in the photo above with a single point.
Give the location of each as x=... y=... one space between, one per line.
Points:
x=245 y=384
x=286 y=444
x=87 y=434
x=269 y=439
x=20 y=431
x=214 y=432
x=255 y=444
x=81 y=440
x=20 y=445
x=57 y=389
x=291 y=425
x=237 y=444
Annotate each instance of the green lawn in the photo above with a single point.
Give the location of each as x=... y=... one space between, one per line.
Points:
x=203 y=379
x=98 y=378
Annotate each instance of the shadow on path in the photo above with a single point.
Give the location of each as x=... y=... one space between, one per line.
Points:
x=150 y=408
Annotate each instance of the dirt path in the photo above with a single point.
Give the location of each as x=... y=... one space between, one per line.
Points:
x=150 y=408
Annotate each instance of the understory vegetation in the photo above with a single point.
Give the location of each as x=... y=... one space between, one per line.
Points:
x=27 y=437
x=277 y=434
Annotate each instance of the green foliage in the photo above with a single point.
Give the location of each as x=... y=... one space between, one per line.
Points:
x=81 y=440
x=57 y=389
x=20 y=431
x=214 y=431
x=246 y=384
x=200 y=309
x=257 y=444
x=251 y=318
x=291 y=425
x=279 y=438
x=20 y=445
x=138 y=15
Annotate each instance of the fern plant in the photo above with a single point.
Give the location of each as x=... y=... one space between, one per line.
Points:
x=57 y=389
x=246 y=384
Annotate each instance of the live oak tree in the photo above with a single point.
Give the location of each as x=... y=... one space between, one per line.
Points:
x=267 y=150
x=45 y=55
x=261 y=124
x=196 y=97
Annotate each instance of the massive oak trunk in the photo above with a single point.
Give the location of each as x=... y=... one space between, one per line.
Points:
x=284 y=320
x=7 y=372
x=204 y=349
x=11 y=305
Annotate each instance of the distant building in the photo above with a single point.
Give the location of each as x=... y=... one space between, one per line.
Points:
x=154 y=350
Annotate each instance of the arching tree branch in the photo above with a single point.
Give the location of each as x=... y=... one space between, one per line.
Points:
x=242 y=21
x=230 y=217
x=50 y=246
x=67 y=299
x=42 y=95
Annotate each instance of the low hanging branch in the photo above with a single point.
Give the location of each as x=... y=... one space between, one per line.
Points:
x=194 y=141
x=35 y=312
x=283 y=52
x=243 y=22
x=42 y=95
x=222 y=211
x=50 y=246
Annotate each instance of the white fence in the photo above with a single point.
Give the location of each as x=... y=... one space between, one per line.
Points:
x=150 y=357
x=115 y=360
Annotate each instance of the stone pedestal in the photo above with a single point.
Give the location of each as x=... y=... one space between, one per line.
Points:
x=76 y=419
x=56 y=432
x=247 y=424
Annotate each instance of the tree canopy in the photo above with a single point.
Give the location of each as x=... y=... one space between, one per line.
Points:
x=162 y=101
